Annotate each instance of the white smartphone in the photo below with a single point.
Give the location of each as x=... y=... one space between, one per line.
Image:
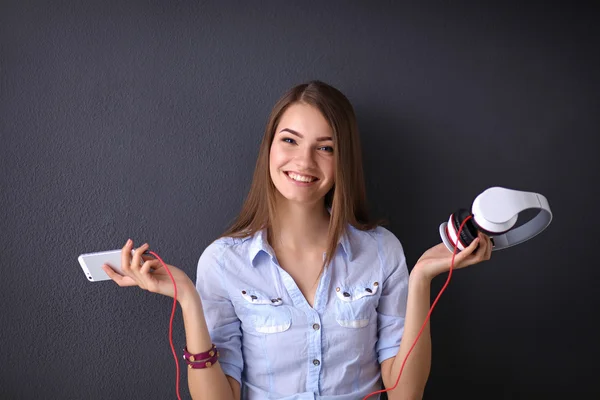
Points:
x=92 y=263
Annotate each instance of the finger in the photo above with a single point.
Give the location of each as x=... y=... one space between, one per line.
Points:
x=466 y=257
x=151 y=264
x=117 y=278
x=136 y=259
x=471 y=248
x=482 y=253
x=490 y=248
x=146 y=258
x=126 y=256
x=483 y=239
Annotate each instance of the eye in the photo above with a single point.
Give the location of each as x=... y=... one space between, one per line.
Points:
x=328 y=149
x=288 y=140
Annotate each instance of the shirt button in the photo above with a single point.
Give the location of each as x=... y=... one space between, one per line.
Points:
x=316 y=327
x=316 y=362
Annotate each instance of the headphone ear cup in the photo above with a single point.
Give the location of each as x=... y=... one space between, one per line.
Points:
x=482 y=230
x=469 y=232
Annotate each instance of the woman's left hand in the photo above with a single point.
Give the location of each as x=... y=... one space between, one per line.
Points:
x=438 y=259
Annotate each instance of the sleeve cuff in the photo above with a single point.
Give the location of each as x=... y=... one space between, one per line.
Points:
x=389 y=352
x=232 y=370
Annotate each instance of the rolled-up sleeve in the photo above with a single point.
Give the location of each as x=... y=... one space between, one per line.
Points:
x=391 y=311
x=221 y=319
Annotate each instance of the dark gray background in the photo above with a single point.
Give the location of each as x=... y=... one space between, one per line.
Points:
x=143 y=119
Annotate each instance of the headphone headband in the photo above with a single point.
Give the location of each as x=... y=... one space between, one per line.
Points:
x=495 y=212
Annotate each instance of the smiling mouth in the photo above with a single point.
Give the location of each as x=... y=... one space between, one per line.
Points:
x=301 y=178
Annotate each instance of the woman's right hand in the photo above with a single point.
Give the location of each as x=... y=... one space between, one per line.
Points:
x=137 y=272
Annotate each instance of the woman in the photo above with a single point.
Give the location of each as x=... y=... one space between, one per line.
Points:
x=304 y=297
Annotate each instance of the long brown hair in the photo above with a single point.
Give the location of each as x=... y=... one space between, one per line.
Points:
x=347 y=198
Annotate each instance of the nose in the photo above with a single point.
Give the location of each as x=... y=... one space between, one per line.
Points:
x=304 y=158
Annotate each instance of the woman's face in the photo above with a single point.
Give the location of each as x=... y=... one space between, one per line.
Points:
x=301 y=161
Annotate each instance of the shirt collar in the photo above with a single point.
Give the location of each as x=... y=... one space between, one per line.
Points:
x=346 y=244
x=260 y=243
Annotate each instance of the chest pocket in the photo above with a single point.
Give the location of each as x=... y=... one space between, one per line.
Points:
x=266 y=314
x=356 y=304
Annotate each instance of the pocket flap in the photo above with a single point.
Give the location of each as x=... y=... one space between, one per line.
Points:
x=263 y=312
x=355 y=292
x=255 y=296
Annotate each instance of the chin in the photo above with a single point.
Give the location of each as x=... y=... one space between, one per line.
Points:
x=299 y=199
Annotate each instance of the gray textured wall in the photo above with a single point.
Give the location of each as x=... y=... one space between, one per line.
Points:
x=142 y=120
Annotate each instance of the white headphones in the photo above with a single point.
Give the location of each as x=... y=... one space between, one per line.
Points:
x=495 y=212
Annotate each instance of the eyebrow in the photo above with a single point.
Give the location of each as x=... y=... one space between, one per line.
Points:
x=293 y=132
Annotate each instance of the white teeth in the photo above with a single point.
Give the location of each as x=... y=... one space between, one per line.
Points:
x=300 y=178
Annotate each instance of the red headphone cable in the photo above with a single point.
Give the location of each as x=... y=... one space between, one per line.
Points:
x=369 y=395
x=426 y=318
x=171 y=322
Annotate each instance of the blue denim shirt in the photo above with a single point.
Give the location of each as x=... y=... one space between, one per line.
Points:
x=278 y=346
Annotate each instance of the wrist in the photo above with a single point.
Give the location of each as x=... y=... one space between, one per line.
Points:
x=419 y=275
x=189 y=297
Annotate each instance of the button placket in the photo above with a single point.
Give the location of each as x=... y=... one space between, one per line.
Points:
x=315 y=350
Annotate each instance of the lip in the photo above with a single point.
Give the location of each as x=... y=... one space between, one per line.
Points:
x=297 y=183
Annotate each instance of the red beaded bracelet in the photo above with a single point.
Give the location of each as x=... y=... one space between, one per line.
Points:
x=201 y=360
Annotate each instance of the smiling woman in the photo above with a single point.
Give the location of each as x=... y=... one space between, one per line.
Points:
x=314 y=120
x=302 y=164
x=304 y=297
